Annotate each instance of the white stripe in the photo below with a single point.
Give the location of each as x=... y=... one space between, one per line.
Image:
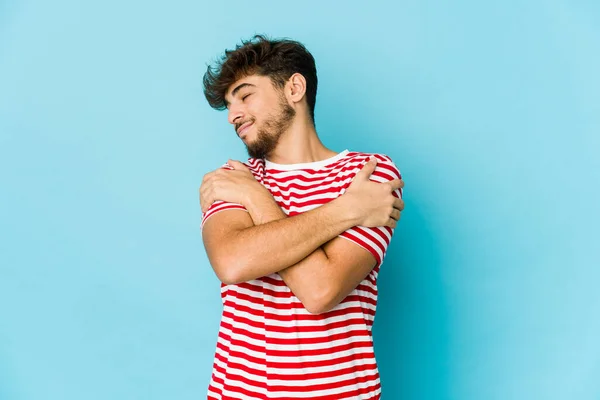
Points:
x=320 y=346
x=287 y=335
x=302 y=370
x=238 y=360
x=241 y=338
x=320 y=381
x=323 y=196
x=350 y=165
x=302 y=188
x=367 y=241
x=316 y=323
x=329 y=392
x=261 y=307
x=319 y=357
x=376 y=245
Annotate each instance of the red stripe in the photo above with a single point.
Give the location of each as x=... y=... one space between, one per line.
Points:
x=320 y=375
x=349 y=235
x=327 y=386
x=353 y=165
x=331 y=362
x=319 y=352
x=260 y=301
x=352 y=394
x=241 y=367
x=329 y=190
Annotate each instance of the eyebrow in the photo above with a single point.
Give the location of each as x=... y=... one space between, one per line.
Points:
x=238 y=87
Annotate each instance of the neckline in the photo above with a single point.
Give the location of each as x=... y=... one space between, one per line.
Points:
x=307 y=165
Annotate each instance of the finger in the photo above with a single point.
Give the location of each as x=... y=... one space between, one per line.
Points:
x=391 y=223
x=207 y=176
x=395 y=215
x=203 y=203
x=399 y=204
x=206 y=203
x=368 y=168
x=204 y=197
x=396 y=184
x=237 y=165
x=200 y=190
x=203 y=186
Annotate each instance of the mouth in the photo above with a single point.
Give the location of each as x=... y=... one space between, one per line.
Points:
x=244 y=128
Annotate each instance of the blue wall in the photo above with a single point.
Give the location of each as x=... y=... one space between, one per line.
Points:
x=491 y=112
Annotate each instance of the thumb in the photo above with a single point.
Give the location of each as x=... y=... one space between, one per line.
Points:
x=368 y=168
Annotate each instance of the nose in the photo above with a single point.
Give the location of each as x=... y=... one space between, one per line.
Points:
x=235 y=114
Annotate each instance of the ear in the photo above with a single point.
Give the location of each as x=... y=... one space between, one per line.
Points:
x=297 y=87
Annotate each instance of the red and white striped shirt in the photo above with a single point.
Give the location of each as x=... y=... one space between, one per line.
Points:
x=269 y=346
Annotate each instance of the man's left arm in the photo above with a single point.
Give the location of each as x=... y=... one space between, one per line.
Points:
x=326 y=276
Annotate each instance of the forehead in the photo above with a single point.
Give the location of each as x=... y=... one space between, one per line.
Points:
x=251 y=82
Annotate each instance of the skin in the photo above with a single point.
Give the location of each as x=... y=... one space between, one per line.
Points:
x=319 y=267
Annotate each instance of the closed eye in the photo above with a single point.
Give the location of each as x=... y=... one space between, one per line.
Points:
x=243 y=98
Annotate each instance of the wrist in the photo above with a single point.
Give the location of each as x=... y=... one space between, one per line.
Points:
x=262 y=207
x=347 y=210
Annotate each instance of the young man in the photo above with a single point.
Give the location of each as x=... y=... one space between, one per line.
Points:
x=296 y=234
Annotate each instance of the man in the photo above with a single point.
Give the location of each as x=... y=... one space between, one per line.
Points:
x=296 y=235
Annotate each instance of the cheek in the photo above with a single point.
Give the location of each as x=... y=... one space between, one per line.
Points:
x=255 y=113
x=259 y=108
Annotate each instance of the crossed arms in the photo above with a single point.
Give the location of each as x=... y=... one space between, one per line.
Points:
x=319 y=267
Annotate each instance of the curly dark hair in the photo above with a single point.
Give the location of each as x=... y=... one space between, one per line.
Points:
x=278 y=59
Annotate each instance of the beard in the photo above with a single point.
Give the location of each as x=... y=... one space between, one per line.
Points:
x=269 y=132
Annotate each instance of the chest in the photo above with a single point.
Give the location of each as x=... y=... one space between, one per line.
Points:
x=297 y=193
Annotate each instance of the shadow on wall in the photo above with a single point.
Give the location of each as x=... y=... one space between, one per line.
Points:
x=411 y=325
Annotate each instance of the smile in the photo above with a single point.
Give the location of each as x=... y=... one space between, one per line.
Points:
x=243 y=131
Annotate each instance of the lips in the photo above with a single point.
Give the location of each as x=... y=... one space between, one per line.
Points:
x=244 y=128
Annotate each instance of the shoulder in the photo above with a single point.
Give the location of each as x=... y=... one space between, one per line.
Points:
x=385 y=171
x=255 y=165
x=385 y=164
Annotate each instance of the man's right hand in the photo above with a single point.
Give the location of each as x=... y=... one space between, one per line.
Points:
x=373 y=203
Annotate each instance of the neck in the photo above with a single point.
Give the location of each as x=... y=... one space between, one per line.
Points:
x=300 y=144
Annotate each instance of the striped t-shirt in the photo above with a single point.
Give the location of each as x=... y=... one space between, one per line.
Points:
x=269 y=346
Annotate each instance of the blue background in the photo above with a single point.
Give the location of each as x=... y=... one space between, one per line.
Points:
x=491 y=111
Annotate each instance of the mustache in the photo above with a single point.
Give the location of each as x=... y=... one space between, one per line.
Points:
x=237 y=126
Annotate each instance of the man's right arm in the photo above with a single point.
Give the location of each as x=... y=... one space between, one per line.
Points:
x=240 y=251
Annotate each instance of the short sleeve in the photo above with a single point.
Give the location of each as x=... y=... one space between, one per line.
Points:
x=220 y=205
x=377 y=239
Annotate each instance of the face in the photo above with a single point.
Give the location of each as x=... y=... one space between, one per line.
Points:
x=259 y=113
